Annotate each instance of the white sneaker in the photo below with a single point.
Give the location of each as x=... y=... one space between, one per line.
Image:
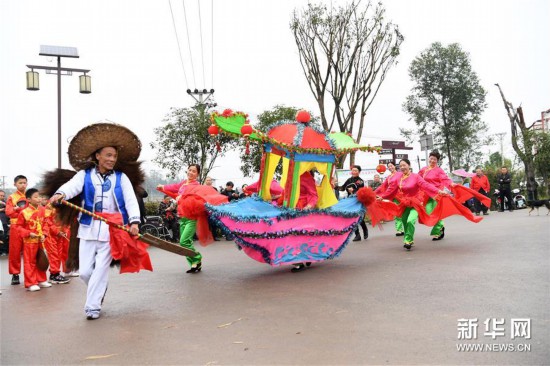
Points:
x=92 y=314
x=72 y=274
x=44 y=284
x=34 y=288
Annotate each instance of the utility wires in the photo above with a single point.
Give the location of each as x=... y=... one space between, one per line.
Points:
x=178 y=41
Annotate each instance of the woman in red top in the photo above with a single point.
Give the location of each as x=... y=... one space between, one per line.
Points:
x=480 y=184
x=188 y=227
x=406 y=188
x=435 y=175
x=394 y=174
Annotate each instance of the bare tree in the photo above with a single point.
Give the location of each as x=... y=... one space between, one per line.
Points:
x=345 y=54
x=523 y=141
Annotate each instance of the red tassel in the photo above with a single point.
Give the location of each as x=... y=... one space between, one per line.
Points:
x=218 y=146
x=247 y=147
x=366 y=196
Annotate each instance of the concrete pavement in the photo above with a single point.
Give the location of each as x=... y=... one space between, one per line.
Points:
x=376 y=304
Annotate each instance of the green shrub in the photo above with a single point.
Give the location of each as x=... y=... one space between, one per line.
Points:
x=151 y=208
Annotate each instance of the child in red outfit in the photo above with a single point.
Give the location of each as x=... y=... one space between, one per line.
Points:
x=29 y=224
x=16 y=203
x=57 y=240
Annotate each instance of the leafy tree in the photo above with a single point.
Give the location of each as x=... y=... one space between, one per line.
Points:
x=447 y=101
x=345 y=53
x=184 y=140
x=250 y=163
x=542 y=157
x=491 y=168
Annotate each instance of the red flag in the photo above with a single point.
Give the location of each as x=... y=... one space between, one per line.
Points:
x=463 y=194
x=448 y=206
x=127 y=249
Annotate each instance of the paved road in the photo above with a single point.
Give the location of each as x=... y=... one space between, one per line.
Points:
x=376 y=304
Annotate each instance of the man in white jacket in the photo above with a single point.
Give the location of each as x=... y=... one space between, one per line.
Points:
x=103 y=189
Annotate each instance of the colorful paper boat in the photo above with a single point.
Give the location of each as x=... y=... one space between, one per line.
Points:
x=279 y=235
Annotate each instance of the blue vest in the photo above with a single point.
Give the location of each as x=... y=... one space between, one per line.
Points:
x=88 y=194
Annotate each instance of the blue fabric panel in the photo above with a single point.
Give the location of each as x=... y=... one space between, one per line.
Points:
x=88 y=195
x=314 y=157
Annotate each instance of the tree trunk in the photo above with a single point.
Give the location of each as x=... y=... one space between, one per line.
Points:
x=351 y=158
x=517 y=120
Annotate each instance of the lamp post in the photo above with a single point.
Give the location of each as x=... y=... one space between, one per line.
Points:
x=33 y=82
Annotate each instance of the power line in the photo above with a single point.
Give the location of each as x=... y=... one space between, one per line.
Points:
x=189 y=42
x=178 y=41
x=202 y=48
x=212 y=44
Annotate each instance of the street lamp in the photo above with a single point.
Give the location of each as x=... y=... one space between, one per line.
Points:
x=33 y=82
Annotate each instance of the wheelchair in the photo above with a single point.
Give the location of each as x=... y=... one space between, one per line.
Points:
x=155 y=226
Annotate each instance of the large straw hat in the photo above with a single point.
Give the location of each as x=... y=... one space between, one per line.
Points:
x=94 y=137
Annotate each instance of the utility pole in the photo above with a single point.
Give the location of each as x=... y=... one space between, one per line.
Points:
x=501 y=135
x=198 y=95
x=205 y=100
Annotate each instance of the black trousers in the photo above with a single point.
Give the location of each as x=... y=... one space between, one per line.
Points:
x=480 y=207
x=5 y=238
x=365 y=229
x=505 y=192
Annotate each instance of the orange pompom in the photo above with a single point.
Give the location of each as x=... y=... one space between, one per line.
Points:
x=303 y=116
x=366 y=196
x=246 y=129
x=191 y=206
x=213 y=130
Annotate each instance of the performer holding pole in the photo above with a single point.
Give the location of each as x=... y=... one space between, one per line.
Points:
x=100 y=152
x=188 y=226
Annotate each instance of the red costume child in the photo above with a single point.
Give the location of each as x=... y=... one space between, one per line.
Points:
x=57 y=244
x=15 y=204
x=30 y=223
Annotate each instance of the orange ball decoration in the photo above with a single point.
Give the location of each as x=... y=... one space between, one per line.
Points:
x=246 y=129
x=381 y=168
x=213 y=130
x=303 y=116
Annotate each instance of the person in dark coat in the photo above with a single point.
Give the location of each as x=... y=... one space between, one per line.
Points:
x=504 y=180
x=4 y=236
x=352 y=185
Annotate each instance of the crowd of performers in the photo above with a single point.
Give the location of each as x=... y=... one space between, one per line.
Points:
x=103 y=184
x=426 y=197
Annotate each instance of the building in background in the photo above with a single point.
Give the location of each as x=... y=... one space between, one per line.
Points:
x=542 y=124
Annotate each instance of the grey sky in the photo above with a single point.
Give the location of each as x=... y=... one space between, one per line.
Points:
x=137 y=76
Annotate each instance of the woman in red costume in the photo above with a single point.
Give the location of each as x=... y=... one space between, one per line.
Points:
x=275 y=190
x=435 y=175
x=406 y=188
x=308 y=192
x=191 y=198
x=188 y=227
x=394 y=175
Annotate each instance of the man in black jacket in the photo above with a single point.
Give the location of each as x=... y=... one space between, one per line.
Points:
x=504 y=179
x=230 y=192
x=352 y=185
